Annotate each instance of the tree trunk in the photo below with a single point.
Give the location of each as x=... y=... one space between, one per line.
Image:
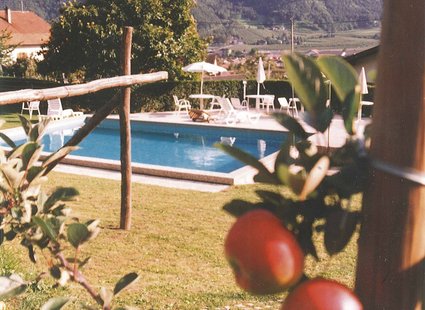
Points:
x=125 y=130
x=390 y=270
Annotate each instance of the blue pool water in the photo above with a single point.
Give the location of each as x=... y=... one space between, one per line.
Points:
x=180 y=146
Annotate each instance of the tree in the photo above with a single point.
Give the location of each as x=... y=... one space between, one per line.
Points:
x=87 y=37
x=5 y=49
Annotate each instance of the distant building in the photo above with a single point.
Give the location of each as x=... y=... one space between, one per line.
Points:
x=367 y=58
x=28 y=31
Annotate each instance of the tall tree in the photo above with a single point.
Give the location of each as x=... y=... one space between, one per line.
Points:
x=5 y=48
x=86 y=37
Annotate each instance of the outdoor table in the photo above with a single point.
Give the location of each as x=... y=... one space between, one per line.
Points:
x=201 y=98
x=258 y=99
x=362 y=103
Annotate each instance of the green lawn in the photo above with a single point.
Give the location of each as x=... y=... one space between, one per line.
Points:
x=12 y=120
x=175 y=245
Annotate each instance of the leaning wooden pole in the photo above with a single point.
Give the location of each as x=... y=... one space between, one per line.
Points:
x=125 y=131
x=17 y=96
x=391 y=259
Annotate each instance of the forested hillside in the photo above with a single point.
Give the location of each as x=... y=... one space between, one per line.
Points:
x=47 y=9
x=223 y=20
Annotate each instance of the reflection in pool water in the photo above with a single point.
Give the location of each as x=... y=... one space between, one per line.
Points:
x=191 y=148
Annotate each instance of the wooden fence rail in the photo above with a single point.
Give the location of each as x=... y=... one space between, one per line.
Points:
x=122 y=82
x=17 y=96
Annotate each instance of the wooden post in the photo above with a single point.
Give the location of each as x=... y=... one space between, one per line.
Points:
x=125 y=131
x=391 y=259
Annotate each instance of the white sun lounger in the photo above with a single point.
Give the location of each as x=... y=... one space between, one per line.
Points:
x=232 y=116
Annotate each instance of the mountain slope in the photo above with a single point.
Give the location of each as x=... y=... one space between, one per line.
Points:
x=327 y=15
x=222 y=20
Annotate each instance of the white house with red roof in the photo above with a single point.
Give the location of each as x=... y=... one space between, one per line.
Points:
x=28 y=31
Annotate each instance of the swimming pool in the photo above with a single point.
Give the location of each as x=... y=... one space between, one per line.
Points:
x=170 y=148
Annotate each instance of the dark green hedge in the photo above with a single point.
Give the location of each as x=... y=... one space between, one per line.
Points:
x=158 y=96
x=10 y=84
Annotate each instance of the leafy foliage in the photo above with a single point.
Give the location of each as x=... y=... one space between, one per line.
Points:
x=43 y=223
x=5 y=49
x=321 y=198
x=87 y=37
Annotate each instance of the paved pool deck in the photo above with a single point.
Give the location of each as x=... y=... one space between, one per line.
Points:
x=337 y=137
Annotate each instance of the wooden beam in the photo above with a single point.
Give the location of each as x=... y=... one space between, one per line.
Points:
x=391 y=259
x=11 y=97
x=125 y=134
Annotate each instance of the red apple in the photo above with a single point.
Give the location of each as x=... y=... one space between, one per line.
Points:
x=321 y=294
x=264 y=255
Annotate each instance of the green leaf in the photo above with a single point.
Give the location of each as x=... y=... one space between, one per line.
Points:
x=30 y=154
x=340 y=73
x=11 y=286
x=55 y=303
x=37 y=131
x=292 y=125
x=238 y=207
x=307 y=81
x=17 y=152
x=26 y=124
x=55 y=272
x=270 y=197
x=350 y=107
x=7 y=140
x=294 y=181
x=350 y=180
x=34 y=173
x=83 y=263
x=10 y=235
x=340 y=227
x=54 y=158
x=31 y=254
x=305 y=239
x=319 y=121
x=248 y=159
x=125 y=281
x=77 y=234
x=284 y=157
x=45 y=227
x=11 y=177
x=60 y=194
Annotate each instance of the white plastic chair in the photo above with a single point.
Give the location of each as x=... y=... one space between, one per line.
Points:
x=181 y=104
x=267 y=103
x=238 y=105
x=56 y=112
x=31 y=106
x=290 y=109
x=54 y=107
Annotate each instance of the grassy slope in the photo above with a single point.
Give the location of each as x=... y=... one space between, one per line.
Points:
x=175 y=244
